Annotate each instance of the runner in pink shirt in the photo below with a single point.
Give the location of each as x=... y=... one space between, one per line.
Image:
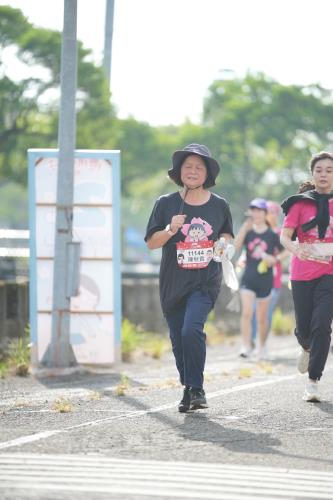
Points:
x=309 y=219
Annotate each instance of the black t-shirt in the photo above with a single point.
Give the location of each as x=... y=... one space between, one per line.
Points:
x=255 y=244
x=212 y=218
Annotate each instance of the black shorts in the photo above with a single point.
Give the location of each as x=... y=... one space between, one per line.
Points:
x=262 y=289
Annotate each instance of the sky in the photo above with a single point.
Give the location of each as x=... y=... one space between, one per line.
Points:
x=166 y=53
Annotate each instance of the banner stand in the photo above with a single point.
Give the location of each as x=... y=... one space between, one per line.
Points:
x=95 y=314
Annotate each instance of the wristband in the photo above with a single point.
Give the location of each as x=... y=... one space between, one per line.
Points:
x=168 y=230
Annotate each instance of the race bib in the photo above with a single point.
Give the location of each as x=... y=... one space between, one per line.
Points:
x=194 y=255
x=320 y=251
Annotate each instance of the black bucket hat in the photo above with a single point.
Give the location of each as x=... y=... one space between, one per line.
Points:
x=178 y=157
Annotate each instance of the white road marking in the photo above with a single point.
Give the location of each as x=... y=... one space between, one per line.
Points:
x=138 y=413
x=152 y=478
x=45 y=410
x=29 y=439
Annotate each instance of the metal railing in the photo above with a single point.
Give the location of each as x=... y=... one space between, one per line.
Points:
x=14 y=253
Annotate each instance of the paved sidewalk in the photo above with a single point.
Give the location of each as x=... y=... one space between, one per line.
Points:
x=144 y=371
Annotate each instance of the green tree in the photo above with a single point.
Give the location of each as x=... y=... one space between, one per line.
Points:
x=264 y=134
x=29 y=103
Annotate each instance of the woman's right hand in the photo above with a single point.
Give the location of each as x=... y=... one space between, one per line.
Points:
x=243 y=230
x=177 y=222
x=248 y=223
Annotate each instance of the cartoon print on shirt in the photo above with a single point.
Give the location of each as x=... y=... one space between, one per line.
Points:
x=197 y=230
x=256 y=248
x=180 y=258
x=209 y=254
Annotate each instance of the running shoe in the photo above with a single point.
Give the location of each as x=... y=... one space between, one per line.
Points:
x=245 y=352
x=184 y=404
x=260 y=353
x=311 y=392
x=303 y=361
x=197 y=399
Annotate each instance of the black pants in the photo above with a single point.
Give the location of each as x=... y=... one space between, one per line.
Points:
x=313 y=301
x=188 y=339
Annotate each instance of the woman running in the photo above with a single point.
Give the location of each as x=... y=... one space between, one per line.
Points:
x=262 y=247
x=186 y=224
x=309 y=217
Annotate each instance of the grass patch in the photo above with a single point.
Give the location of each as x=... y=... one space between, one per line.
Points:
x=3 y=369
x=130 y=339
x=245 y=372
x=20 y=403
x=215 y=334
x=17 y=360
x=123 y=386
x=266 y=367
x=62 y=405
x=154 y=345
x=282 y=324
x=95 y=396
x=134 y=340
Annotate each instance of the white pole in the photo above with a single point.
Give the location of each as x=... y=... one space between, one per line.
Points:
x=60 y=352
x=108 y=33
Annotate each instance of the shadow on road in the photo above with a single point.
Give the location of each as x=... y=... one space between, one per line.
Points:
x=325 y=407
x=197 y=426
x=201 y=428
x=87 y=380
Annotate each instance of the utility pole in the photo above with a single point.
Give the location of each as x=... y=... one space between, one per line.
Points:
x=60 y=353
x=108 y=32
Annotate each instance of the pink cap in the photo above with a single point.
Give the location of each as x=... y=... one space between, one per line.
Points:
x=273 y=207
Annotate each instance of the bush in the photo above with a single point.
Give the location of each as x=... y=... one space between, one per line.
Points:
x=282 y=324
x=17 y=359
x=134 y=339
x=130 y=339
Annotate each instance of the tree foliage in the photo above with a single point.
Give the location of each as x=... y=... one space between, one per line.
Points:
x=263 y=133
x=29 y=104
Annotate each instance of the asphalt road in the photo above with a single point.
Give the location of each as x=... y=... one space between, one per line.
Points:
x=258 y=438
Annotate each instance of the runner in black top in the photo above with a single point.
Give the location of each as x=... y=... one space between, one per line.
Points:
x=262 y=245
x=186 y=224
